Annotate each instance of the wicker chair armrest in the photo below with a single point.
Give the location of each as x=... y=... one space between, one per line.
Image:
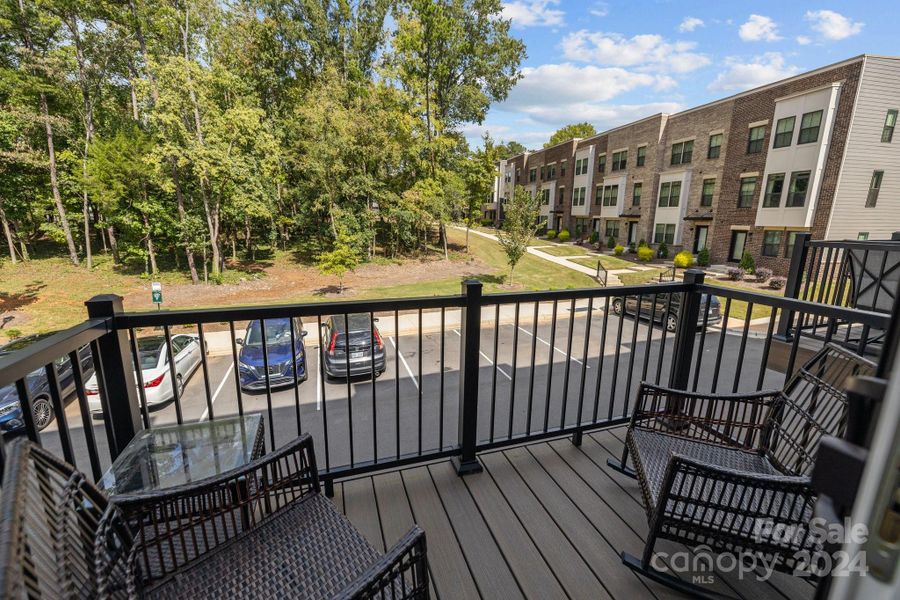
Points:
x=401 y=573
x=743 y=505
x=175 y=526
x=730 y=420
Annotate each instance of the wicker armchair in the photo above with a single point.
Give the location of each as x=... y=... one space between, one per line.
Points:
x=732 y=472
x=261 y=531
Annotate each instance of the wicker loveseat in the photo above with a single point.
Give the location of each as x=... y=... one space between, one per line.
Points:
x=262 y=531
x=732 y=472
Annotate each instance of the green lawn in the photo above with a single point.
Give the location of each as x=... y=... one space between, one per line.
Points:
x=738 y=308
x=563 y=250
x=640 y=277
x=609 y=262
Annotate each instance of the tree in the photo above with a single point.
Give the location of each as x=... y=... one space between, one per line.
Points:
x=569 y=132
x=481 y=169
x=343 y=257
x=509 y=149
x=519 y=227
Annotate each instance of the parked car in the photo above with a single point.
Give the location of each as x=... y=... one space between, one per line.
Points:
x=155 y=373
x=666 y=312
x=365 y=346
x=282 y=360
x=39 y=387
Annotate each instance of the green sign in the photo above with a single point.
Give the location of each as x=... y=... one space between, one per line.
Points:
x=156 y=292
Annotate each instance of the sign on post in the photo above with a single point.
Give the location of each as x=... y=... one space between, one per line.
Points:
x=156 y=293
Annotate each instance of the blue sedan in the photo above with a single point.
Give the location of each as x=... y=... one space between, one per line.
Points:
x=39 y=388
x=283 y=360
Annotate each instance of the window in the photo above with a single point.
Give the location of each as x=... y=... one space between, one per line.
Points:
x=543 y=172
x=518 y=175
x=664 y=232
x=619 y=160
x=755 y=139
x=715 y=146
x=862 y=236
x=890 y=121
x=562 y=169
x=532 y=175
x=682 y=152
x=771 y=243
x=636 y=194
x=748 y=190
x=789 y=245
x=774 y=187
x=610 y=195
x=601 y=163
x=612 y=229
x=784 y=132
x=709 y=188
x=669 y=194
x=578 y=196
x=874 y=186
x=545 y=197
x=809 y=127
x=797 y=192
x=508 y=177
x=552 y=171
x=581 y=166
x=598 y=196
x=642 y=156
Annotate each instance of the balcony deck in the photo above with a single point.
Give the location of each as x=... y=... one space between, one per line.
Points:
x=544 y=520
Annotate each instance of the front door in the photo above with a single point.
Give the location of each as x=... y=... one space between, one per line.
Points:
x=632 y=232
x=700 y=238
x=738 y=240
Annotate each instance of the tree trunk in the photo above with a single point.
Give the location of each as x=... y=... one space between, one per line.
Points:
x=234 y=248
x=8 y=233
x=150 y=250
x=182 y=214
x=444 y=239
x=113 y=245
x=88 y=105
x=54 y=182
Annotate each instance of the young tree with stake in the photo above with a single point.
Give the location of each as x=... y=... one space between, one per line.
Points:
x=519 y=226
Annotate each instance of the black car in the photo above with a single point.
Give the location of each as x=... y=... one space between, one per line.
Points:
x=664 y=311
x=365 y=346
x=38 y=387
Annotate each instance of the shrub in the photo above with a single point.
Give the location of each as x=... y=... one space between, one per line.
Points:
x=763 y=274
x=778 y=282
x=703 y=257
x=642 y=243
x=563 y=235
x=551 y=234
x=645 y=254
x=747 y=263
x=734 y=273
x=632 y=248
x=684 y=259
x=619 y=249
x=611 y=242
x=595 y=237
x=487 y=222
x=662 y=251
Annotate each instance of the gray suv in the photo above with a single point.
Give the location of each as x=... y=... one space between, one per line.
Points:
x=366 y=345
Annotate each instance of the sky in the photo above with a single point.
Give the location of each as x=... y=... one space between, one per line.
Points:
x=612 y=62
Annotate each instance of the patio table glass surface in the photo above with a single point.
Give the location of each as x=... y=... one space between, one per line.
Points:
x=166 y=457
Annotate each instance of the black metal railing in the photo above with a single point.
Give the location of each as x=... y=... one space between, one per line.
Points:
x=461 y=373
x=862 y=274
x=667 y=274
x=602 y=275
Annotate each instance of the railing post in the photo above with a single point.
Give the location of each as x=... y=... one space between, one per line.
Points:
x=794 y=281
x=686 y=332
x=470 y=347
x=118 y=374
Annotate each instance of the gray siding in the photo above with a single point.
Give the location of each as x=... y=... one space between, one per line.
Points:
x=879 y=91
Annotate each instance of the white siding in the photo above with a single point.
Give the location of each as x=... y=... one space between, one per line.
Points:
x=879 y=91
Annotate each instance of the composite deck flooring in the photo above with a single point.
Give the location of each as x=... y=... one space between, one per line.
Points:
x=544 y=520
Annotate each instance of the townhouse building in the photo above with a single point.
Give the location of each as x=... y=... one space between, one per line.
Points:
x=815 y=152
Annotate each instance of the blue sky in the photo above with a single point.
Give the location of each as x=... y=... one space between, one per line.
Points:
x=611 y=62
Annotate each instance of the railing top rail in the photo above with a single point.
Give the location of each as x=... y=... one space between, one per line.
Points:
x=20 y=363
x=645 y=289
x=854 y=315
x=249 y=313
x=857 y=244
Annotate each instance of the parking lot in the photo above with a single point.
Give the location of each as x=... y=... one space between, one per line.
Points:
x=414 y=405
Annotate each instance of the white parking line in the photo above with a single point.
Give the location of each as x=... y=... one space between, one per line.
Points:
x=319 y=383
x=405 y=364
x=546 y=343
x=485 y=356
x=218 y=389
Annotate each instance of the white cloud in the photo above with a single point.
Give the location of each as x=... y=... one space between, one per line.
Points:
x=759 y=28
x=763 y=69
x=536 y=13
x=647 y=51
x=690 y=24
x=803 y=40
x=831 y=25
x=599 y=9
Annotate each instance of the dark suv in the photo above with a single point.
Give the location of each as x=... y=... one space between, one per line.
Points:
x=664 y=311
x=365 y=346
